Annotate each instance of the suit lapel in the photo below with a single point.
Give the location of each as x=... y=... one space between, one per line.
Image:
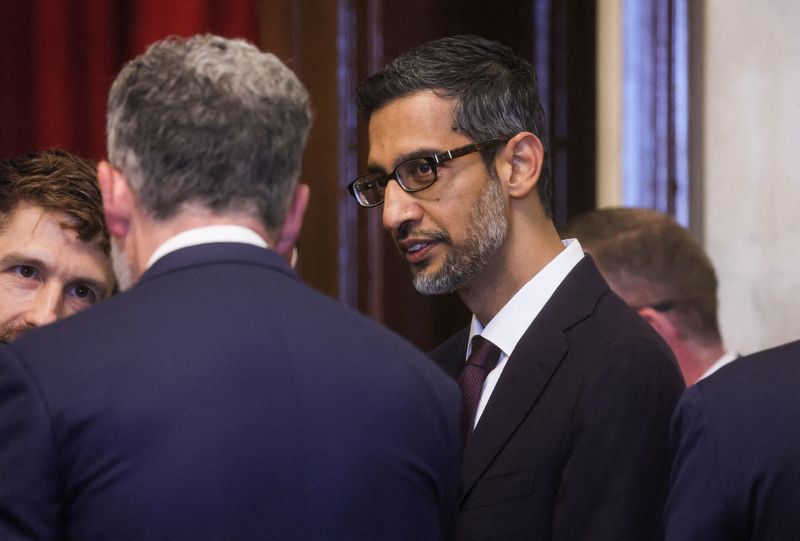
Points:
x=451 y=354
x=535 y=359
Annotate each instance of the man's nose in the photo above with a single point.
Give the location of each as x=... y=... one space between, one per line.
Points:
x=45 y=308
x=399 y=207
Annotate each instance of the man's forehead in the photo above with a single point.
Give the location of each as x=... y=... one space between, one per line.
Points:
x=30 y=212
x=410 y=124
x=34 y=215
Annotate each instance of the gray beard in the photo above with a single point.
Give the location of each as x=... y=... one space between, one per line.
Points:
x=122 y=266
x=486 y=232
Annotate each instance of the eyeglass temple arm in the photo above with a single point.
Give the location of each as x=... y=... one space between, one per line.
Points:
x=453 y=154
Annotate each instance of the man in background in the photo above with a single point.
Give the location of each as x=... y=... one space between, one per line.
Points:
x=54 y=249
x=567 y=393
x=218 y=397
x=735 y=443
x=656 y=267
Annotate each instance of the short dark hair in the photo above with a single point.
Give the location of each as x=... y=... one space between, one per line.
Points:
x=495 y=91
x=653 y=259
x=55 y=180
x=209 y=121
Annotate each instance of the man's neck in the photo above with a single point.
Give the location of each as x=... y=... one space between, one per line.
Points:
x=695 y=359
x=524 y=253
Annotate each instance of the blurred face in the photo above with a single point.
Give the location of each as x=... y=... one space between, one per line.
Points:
x=448 y=232
x=46 y=272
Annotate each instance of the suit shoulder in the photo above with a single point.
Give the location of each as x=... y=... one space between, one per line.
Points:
x=615 y=347
x=618 y=334
x=767 y=379
x=776 y=362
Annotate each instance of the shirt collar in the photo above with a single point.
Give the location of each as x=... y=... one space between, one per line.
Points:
x=205 y=235
x=507 y=327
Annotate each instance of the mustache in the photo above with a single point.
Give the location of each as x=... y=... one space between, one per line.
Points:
x=431 y=235
x=9 y=334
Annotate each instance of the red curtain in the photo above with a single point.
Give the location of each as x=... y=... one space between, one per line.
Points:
x=58 y=59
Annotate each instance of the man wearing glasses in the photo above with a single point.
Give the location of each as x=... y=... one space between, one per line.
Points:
x=567 y=393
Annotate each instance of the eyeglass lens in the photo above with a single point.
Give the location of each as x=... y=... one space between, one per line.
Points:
x=416 y=174
x=412 y=175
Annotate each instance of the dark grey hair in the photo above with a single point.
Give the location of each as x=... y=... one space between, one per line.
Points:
x=209 y=121
x=495 y=91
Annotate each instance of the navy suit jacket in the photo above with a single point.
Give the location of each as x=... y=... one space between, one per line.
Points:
x=220 y=398
x=572 y=444
x=736 y=446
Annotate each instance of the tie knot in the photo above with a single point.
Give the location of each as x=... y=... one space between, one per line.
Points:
x=484 y=354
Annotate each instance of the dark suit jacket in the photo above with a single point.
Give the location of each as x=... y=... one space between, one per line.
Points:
x=736 y=446
x=220 y=398
x=572 y=444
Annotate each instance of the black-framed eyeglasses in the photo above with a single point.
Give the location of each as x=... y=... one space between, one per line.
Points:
x=411 y=175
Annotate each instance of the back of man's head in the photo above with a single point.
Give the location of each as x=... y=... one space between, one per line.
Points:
x=209 y=122
x=653 y=262
x=55 y=181
x=495 y=91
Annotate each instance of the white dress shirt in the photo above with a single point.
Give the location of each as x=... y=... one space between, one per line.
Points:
x=206 y=235
x=507 y=327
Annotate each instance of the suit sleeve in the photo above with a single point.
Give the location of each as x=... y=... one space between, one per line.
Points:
x=696 y=507
x=28 y=490
x=616 y=460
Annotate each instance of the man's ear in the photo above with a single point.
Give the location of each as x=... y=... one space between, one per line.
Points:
x=525 y=155
x=662 y=323
x=118 y=199
x=294 y=220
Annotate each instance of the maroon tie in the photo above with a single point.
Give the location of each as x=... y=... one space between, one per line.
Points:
x=482 y=360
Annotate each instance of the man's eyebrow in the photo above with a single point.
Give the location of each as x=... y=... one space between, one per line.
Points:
x=413 y=155
x=16 y=258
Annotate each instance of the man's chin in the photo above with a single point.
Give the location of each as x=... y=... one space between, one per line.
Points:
x=428 y=282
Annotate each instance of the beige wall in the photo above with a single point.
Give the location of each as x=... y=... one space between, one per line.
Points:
x=745 y=152
x=749 y=130
x=609 y=103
